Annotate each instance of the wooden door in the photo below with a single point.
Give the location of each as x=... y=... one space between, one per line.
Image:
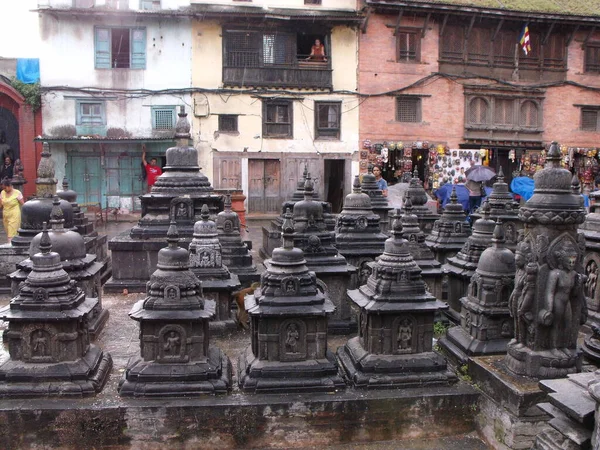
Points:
x=264 y=186
x=84 y=172
x=124 y=181
x=294 y=170
x=227 y=172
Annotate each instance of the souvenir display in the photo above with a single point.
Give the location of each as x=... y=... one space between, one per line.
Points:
x=450 y=165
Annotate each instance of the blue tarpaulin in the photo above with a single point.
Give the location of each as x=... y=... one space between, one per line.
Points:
x=522 y=186
x=443 y=194
x=28 y=70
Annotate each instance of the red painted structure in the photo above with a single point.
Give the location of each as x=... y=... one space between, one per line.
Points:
x=30 y=126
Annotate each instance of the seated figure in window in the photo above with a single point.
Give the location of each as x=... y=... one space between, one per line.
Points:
x=317 y=52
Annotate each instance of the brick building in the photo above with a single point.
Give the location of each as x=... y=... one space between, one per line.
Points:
x=450 y=83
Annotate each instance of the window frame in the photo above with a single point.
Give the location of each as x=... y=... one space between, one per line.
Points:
x=267 y=104
x=407 y=33
x=172 y=109
x=588 y=109
x=220 y=127
x=103 y=52
x=326 y=133
x=493 y=103
x=151 y=3
x=96 y=120
x=418 y=108
x=589 y=67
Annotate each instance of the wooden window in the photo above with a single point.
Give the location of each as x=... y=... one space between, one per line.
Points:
x=408 y=109
x=592 y=57
x=163 y=117
x=312 y=2
x=554 y=52
x=478 y=111
x=327 y=120
x=452 y=45
x=279 y=48
x=90 y=113
x=242 y=48
x=528 y=116
x=478 y=45
x=589 y=119
x=504 y=48
x=149 y=4
x=408 y=46
x=277 y=119
x=120 y=48
x=503 y=111
x=228 y=123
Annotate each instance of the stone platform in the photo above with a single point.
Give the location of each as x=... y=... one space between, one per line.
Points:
x=236 y=420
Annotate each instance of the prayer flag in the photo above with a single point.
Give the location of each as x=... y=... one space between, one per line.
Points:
x=524 y=40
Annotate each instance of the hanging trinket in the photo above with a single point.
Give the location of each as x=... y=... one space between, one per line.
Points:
x=512 y=155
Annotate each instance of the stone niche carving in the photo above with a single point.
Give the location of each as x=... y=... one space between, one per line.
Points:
x=292 y=337
x=182 y=209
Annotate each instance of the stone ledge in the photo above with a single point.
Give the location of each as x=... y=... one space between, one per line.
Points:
x=263 y=420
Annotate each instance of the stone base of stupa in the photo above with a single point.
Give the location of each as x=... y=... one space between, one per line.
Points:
x=81 y=378
x=9 y=258
x=97 y=321
x=458 y=282
x=460 y=345
x=220 y=291
x=271 y=240
x=337 y=280
x=313 y=375
x=508 y=409
x=365 y=370
x=134 y=260
x=543 y=364
x=154 y=379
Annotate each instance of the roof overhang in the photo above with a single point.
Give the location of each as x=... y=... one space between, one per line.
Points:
x=442 y=8
x=85 y=140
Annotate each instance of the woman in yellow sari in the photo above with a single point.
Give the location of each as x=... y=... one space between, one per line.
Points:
x=11 y=200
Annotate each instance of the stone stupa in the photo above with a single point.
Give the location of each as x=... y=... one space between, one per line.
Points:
x=288 y=315
x=379 y=202
x=206 y=262
x=178 y=195
x=176 y=358
x=394 y=347
x=486 y=325
x=234 y=252
x=461 y=268
x=333 y=271
x=47 y=335
x=503 y=207
x=83 y=268
x=358 y=236
x=450 y=231
x=418 y=197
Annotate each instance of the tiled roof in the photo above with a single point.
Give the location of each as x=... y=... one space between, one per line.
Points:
x=555 y=7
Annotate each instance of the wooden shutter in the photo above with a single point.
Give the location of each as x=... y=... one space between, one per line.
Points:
x=102 y=48
x=453 y=44
x=592 y=58
x=478 y=45
x=138 y=48
x=478 y=111
x=589 y=119
x=554 y=52
x=407 y=43
x=504 y=48
x=529 y=114
x=503 y=111
x=242 y=49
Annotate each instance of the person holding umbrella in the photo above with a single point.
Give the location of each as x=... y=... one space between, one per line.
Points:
x=476 y=176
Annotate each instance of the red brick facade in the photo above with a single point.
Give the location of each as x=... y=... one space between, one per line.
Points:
x=443 y=98
x=30 y=126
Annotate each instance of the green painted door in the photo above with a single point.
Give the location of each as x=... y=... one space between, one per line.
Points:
x=124 y=181
x=85 y=177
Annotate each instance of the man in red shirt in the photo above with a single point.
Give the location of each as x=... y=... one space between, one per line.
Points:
x=152 y=170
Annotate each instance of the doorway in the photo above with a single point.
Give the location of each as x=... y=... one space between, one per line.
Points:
x=264 y=186
x=334 y=183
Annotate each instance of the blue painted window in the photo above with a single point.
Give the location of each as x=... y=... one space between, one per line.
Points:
x=120 y=48
x=163 y=117
x=149 y=4
x=90 y=117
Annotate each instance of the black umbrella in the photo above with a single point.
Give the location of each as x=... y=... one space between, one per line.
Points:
x=480 y=173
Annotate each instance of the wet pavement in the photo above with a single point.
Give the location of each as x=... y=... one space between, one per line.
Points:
x=120 y=338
